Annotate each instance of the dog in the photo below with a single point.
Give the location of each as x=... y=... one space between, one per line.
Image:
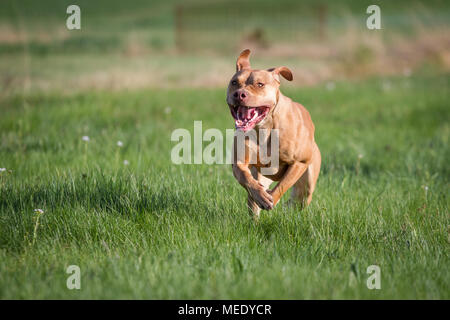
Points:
x=256 y=102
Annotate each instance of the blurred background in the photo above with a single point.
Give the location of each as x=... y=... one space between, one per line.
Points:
x=165 y=43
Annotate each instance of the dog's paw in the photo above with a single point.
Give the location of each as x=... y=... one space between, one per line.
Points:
x=262 y=198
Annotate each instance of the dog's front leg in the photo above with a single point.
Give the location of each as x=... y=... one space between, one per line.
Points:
x=292 y=174
x=255 y=189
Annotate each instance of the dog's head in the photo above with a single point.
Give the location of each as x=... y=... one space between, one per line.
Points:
x=253 y=94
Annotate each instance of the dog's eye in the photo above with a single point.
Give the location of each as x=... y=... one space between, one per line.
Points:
x=260 y=84
x=234 y=82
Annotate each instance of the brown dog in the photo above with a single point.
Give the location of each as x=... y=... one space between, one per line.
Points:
x=256 y=102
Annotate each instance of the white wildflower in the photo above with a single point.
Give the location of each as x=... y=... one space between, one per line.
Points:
x=85 y=138
x=119 y=143
x=39 y=211
x=386 y=86
x=2 y=169
x=407 y=72
x=330 y=86
x=126 y=162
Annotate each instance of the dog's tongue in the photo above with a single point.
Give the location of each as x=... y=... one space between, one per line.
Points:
x=246 y=113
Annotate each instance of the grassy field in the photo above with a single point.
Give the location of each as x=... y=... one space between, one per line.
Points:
x=152 y=229
x=139 y=226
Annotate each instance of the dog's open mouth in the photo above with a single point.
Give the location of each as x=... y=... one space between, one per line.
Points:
x=246 y=118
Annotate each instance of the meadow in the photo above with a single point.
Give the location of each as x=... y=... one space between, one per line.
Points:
x=86 y=119
x=151 y=229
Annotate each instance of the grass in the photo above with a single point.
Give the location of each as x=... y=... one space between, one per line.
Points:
x=156 y=230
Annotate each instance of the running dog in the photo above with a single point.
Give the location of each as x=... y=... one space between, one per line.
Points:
x=256 y=102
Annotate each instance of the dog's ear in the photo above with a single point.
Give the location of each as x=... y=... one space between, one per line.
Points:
x=243 y=61
x=284 y=71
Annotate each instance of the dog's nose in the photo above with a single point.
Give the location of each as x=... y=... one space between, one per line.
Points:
x=240 y=95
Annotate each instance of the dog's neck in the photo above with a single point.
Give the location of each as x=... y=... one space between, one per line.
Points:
x=272 y=120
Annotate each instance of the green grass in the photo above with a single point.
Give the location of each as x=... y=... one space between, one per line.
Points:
x=157 y=230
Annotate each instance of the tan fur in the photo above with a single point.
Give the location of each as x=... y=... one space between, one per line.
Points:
x=299 y=155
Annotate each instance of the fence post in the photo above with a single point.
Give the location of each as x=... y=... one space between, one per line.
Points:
x=179 y=28
x=322 y=19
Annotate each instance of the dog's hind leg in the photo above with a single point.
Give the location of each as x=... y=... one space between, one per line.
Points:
x=303 y=189
x=253 y=207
